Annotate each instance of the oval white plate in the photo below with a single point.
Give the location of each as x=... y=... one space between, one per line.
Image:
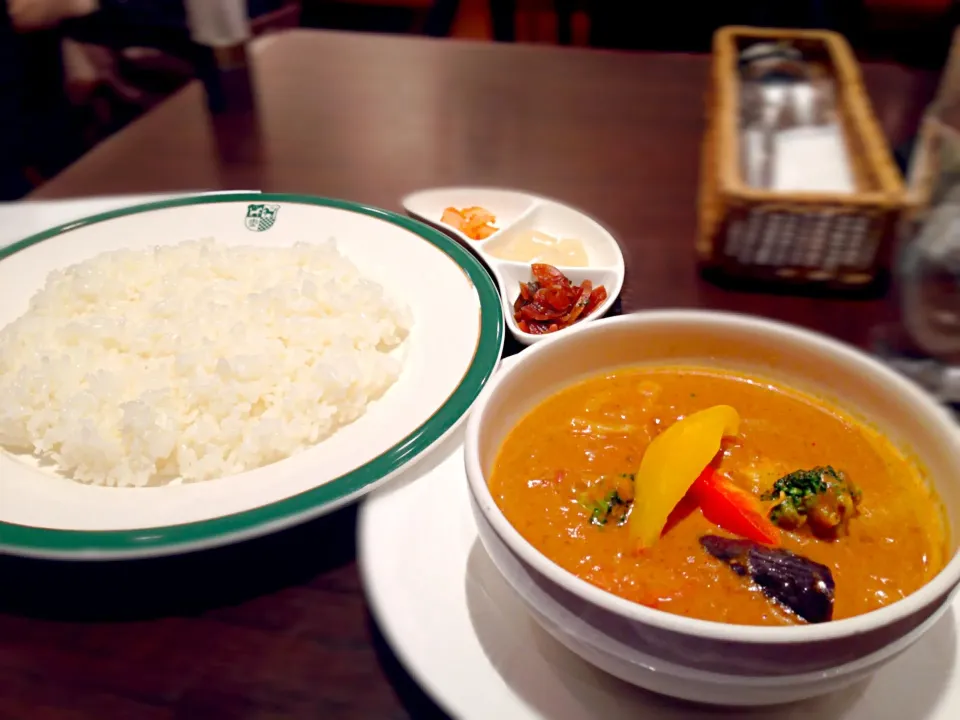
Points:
x=451 y=352
x=465 y=636
x=518 y=212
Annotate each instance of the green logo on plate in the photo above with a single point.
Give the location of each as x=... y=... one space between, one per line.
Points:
x=261 y=217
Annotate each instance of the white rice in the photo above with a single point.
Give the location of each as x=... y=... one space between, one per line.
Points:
x=194 y=361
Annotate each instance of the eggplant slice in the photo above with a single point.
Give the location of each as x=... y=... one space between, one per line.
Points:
x=799 y=584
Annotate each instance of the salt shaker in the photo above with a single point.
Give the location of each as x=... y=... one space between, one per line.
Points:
x=780 y=90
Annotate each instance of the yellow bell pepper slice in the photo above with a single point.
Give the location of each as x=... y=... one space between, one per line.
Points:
x=672 y=463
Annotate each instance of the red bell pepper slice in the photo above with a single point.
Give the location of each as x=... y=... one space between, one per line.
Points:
x=734 y=509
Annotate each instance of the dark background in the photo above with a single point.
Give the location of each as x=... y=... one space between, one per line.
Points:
x=42 y=131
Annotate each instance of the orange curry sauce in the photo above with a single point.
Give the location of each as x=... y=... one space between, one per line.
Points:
x=578 y=442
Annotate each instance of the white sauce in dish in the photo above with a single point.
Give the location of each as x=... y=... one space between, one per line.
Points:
x=536 y=246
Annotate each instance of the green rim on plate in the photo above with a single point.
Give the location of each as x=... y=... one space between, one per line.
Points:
x=24 y=540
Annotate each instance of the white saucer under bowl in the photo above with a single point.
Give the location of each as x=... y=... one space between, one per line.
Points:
x=468 y=639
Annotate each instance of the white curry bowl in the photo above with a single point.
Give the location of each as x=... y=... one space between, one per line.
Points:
x=698 y=660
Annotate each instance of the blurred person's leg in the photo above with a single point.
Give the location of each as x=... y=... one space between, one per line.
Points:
x=160 y=25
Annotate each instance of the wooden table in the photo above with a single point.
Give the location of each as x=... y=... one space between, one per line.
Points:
x=278 y=627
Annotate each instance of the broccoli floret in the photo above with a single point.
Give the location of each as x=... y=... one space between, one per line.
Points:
x=821 y=498
x=614 y=505
x=610 y=507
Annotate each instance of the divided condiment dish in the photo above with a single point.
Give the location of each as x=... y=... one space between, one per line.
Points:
x=518 y=214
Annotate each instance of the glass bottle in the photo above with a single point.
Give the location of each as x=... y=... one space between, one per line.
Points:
x=929 y=263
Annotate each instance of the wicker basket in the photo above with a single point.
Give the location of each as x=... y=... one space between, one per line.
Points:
x=836 y=240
